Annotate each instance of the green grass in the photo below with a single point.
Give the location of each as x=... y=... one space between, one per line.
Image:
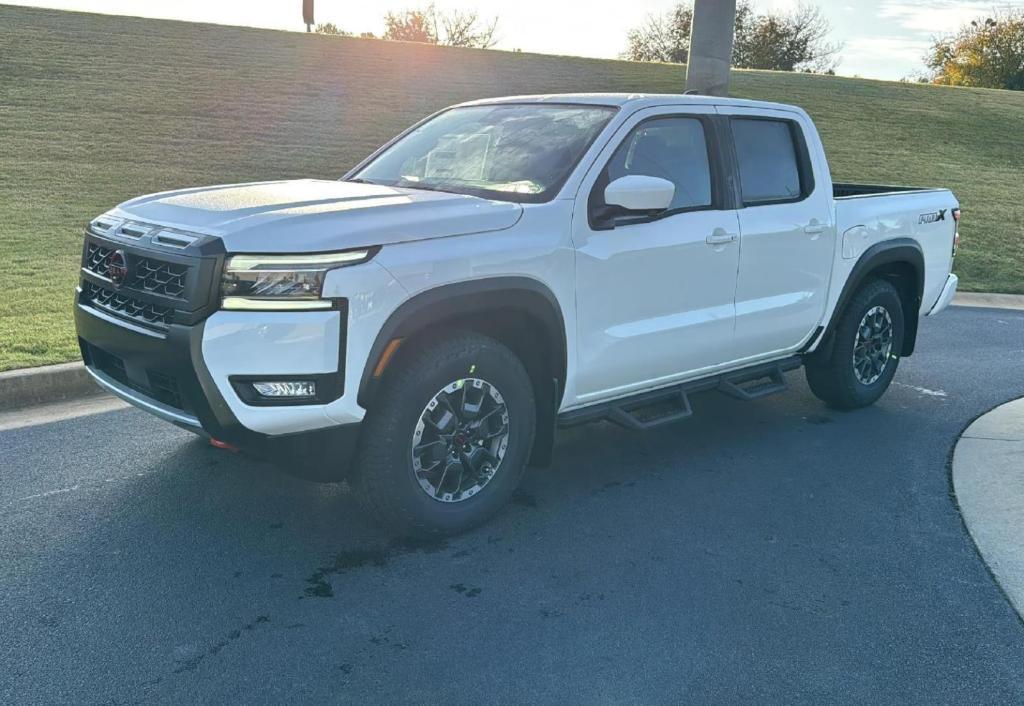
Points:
x=95 y=109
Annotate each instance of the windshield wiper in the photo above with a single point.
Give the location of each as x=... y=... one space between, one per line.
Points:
x=424 y=187
x=401 y=184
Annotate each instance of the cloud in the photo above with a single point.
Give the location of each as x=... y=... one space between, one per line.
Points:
x=938 y=16
x=887 y=48
x=887 y=57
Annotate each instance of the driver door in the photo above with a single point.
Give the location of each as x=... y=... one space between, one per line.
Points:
x=655 y=292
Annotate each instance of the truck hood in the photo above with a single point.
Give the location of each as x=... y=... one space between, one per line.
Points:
x=310 y=215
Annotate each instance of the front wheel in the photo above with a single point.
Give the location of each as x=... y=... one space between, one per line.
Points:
x=864 y=356
x=448 y=438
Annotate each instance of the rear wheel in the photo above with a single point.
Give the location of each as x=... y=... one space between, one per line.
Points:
x=859 y=365
x=448 y=438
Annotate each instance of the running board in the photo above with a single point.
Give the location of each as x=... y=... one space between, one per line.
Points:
x=763 y=384
x=647 y=410
x=651 y=409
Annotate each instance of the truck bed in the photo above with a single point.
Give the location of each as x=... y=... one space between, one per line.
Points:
x=849 y=190
x=867 y=215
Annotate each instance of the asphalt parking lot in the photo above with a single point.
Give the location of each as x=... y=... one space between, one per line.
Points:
x=772 y=551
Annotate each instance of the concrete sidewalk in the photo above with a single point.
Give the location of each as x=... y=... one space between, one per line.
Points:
x=988 y=478
x=990 y=301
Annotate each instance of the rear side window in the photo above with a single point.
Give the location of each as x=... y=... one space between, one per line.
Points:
x=671 y=148
x=769 y=160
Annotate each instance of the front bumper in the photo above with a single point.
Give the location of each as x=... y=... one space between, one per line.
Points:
x=946 y=297
x=157 y=409
x=166 y=374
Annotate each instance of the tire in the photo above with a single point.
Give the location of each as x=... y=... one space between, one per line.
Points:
x=832 y=373
x=393 y=482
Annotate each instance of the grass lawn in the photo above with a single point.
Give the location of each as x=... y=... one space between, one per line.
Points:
x=95 y=109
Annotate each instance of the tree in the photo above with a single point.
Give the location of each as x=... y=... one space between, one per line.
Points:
x=334 y=30
x=431 y=26
x=664 y=37
x=987 y=53
x=410 y=26
x=791 y=41
x=331 y=28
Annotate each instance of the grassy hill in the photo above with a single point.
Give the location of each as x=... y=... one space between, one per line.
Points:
x=95 y=109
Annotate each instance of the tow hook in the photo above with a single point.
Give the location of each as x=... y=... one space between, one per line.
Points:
x=218 y=444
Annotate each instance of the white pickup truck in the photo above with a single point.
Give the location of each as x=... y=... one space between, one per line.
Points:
x=505 y=267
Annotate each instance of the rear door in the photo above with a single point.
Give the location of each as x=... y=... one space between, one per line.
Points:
x=787 y=237
x=655 y=293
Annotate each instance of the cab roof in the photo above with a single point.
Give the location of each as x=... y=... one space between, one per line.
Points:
x=632 y=100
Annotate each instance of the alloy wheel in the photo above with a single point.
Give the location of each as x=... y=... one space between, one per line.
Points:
x=873 y=345
x=460 y=440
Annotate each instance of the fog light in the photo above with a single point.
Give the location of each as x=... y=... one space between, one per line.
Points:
x=285 y=389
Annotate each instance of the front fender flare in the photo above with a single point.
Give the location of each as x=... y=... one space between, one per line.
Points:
x=451 y=301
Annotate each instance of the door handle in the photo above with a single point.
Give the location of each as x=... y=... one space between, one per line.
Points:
x=815 y=229
x=720 y=237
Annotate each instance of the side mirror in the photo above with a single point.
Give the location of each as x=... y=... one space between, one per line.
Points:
x=640 y=193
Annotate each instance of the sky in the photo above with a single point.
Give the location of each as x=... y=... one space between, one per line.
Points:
x=883 y=39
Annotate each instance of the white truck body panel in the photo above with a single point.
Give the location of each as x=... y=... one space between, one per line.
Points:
x=311 y=215
x=946 y=296
x=650 y=289
x=786 y=251
x=868 y=220
x=280 y=343
x=538 y=248
x=643 y=306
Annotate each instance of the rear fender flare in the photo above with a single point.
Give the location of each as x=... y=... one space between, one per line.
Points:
x=897 y=251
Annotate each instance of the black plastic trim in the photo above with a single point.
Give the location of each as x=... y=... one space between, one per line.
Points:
x=620 y=410
x=178 y=354
x=204 y=259
x=462 y=298
x=849 y=190
x=895 y=251
x=812 y=340
x=329 y=387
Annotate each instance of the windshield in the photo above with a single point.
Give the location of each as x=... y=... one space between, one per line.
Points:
x=510 y=152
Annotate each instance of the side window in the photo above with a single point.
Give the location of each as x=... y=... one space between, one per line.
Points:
x=671 y=148
x=769 y=161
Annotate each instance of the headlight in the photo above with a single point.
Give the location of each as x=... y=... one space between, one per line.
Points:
x=282 y=282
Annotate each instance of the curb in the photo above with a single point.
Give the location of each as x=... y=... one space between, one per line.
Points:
x=988 y=481
x=991 y=301
x=30 y=387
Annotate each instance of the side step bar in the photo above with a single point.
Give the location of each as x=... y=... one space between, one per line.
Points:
x=647 y=410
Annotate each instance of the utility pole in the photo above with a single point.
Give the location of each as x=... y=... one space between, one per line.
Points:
x=711 y=32
x=307 y=14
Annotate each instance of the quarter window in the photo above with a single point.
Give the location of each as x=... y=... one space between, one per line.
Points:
x=671 y=148
x=768 y=160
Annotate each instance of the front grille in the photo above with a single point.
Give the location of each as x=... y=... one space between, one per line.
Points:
x=160 y=284
x=147 y=274
x=109 y=364
x=158 y=277
x=97 y=259
x=164 y=388
x=159 y=386
x=126 y=306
